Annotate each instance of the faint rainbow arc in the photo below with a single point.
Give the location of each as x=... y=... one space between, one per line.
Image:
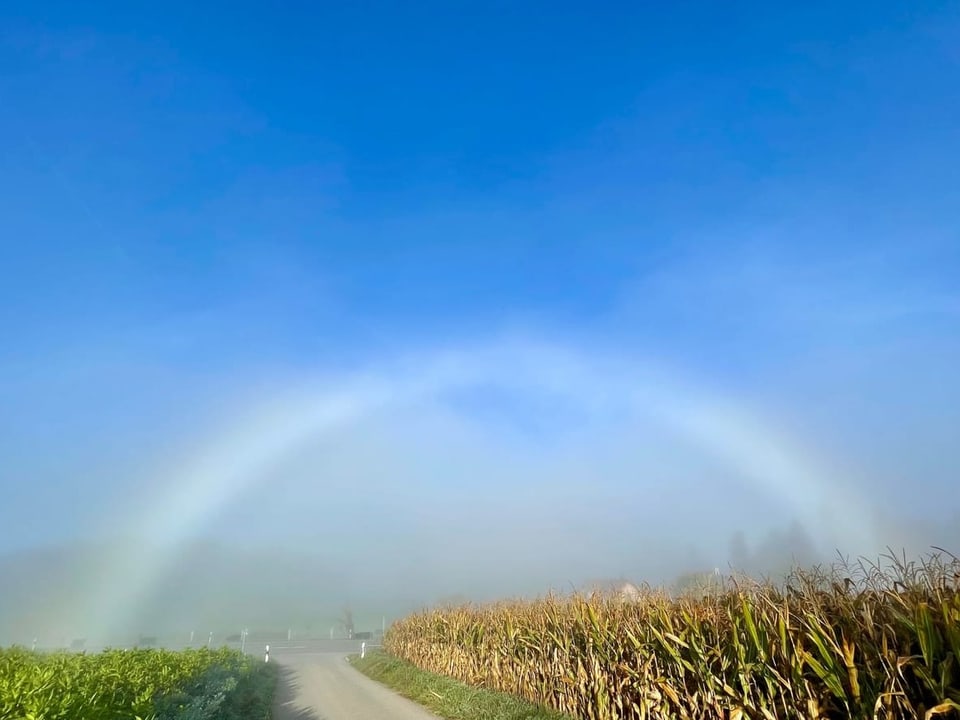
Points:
x=239 y=457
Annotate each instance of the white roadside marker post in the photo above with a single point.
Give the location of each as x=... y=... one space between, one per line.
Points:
x=266 y=654
x=363 y=650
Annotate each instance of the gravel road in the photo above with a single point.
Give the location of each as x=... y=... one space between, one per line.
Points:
x=322 y=686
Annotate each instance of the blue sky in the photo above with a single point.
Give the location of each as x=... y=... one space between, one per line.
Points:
x=200 y=203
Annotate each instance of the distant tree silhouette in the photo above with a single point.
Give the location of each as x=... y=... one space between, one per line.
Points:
x=347 y=622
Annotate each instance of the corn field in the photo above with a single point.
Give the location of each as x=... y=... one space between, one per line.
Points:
x=860 y=641
x=117 y=684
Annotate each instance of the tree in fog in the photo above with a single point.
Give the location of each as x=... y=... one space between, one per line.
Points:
x=347 y=622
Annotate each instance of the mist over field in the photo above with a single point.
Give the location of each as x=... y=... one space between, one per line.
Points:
x=278 y=341
x=497 y=471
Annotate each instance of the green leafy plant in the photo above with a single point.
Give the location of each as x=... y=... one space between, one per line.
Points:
x=145 y=684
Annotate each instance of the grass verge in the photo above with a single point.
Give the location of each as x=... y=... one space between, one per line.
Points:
x=240 y=689
x=252 y=699
x=446 y=697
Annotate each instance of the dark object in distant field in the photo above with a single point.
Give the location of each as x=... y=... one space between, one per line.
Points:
x=362 y=635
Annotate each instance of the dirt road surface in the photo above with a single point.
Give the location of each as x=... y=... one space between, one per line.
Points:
x=323 y=686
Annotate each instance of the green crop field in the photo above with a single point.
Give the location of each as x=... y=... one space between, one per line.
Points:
x=127 y=684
